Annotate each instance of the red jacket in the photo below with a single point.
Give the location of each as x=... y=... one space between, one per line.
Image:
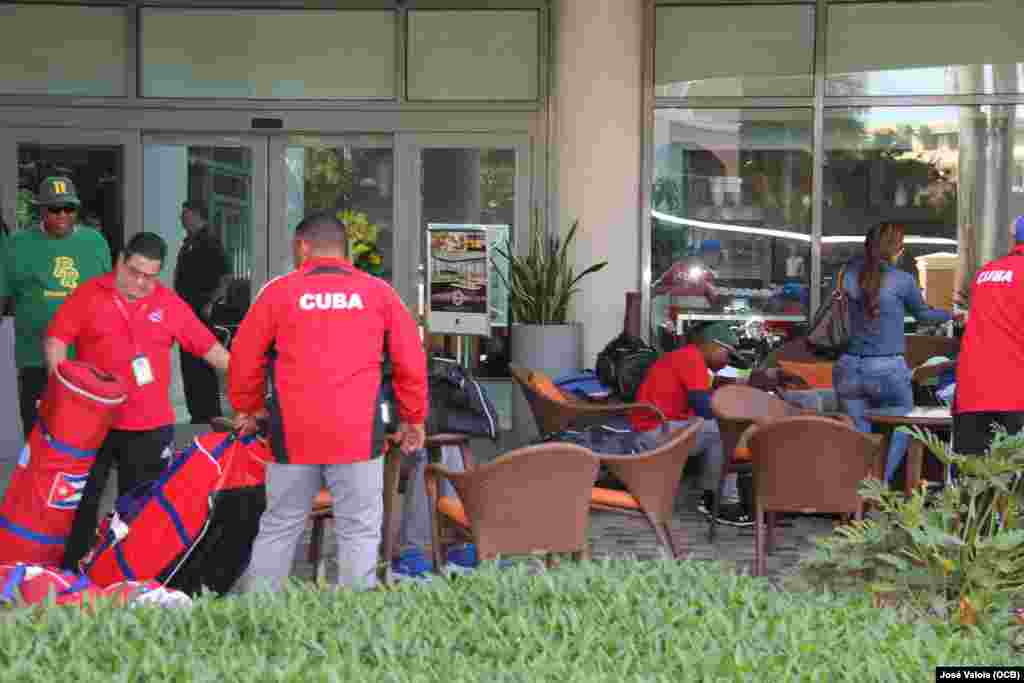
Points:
x=328 y=325
x=990 y=367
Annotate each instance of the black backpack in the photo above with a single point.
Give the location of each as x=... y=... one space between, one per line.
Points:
x=623 y=363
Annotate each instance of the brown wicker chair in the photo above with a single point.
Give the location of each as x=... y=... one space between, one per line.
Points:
x=556 y=411
x=323 y=505
x=533 y=499
x=736 y=407
x=652 y=481
x=790 y=476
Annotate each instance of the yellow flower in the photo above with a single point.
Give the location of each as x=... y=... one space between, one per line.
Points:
x=947 y=565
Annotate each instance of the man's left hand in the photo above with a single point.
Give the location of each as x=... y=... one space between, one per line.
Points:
x=248 y=423
x=409 y=437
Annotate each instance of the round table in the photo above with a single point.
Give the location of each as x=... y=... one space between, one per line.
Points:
x=924 y=417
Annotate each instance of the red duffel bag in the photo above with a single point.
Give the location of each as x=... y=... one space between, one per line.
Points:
x=154 y=531
x=39 y=505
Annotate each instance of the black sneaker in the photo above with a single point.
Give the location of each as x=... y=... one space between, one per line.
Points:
x=706 y=504
x=734 y=515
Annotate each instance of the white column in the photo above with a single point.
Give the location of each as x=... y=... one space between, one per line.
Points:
x=596 y=126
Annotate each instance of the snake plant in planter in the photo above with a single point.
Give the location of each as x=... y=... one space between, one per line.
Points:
x=541 y=285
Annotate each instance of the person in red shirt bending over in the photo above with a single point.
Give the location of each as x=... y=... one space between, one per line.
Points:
x=318 y=336
x=679 y=384
x=125 y=322
x=990 y=367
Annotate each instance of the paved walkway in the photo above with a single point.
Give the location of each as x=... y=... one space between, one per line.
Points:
x=618 y=535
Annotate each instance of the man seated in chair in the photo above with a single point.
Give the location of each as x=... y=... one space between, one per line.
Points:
x=679 y=384
x=414 y=535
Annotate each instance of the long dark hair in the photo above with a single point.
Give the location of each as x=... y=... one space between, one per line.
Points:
x=883 y=244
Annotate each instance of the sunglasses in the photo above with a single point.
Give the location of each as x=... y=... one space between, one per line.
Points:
x=61 y=209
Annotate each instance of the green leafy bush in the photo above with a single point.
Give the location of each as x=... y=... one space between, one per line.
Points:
x=602 y=621
x=958 y=553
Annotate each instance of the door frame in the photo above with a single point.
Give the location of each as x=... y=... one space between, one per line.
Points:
x=128 y=140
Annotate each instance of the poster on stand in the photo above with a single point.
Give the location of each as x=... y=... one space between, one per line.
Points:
x=458 y=275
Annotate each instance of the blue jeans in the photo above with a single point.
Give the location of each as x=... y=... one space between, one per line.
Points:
x=880 y=384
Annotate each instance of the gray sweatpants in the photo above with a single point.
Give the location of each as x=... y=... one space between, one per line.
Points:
x=358 y=493
x=709 y=444
x=414 y=531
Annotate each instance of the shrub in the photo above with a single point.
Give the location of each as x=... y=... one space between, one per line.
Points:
x=602 y=621
x=959 y=552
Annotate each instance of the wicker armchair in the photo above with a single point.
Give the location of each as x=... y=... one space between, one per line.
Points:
x=806 y=464
x=652 y=481
x=533 y=499
x=554 y=411
x=736 y=407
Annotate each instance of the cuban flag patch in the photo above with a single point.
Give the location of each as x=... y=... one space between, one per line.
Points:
x=25 y=456
x=66 y=492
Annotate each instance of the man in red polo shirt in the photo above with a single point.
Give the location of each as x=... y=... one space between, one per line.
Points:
x=321 y=333
x=126 y=322
x=679 y=384
x=990 y=367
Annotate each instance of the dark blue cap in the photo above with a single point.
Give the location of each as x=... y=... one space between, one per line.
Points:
x=1018 y=229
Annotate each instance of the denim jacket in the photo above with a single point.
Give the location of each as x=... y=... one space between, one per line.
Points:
x=899 y=295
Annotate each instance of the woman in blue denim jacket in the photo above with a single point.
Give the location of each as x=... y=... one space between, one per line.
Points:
x=873 y=375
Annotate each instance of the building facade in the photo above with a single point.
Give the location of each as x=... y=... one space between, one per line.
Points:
x=756 y=141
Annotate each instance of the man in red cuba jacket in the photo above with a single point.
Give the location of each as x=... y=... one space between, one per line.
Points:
x=308 y=355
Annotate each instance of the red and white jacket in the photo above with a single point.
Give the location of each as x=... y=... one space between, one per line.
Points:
x=322 y=330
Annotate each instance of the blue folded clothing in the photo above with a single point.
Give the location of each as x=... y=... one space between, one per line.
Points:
x=584 y=384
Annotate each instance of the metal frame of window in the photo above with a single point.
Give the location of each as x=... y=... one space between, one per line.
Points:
x=819 y=103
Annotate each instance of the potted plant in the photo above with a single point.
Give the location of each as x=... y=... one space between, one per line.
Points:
x=541 y=284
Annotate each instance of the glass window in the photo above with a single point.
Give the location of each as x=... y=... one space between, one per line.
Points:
x=731 y=218
x=477 y=55
x=63 y=50
x=949 y=174
x=925 y=48
x=355 y=181
x=278 y=54
x=738 y=51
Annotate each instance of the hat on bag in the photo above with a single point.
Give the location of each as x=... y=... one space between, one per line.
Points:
x=57 y=191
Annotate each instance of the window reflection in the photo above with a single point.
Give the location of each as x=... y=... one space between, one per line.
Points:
x=949 y=174
x=924 y=48
x=731 y=217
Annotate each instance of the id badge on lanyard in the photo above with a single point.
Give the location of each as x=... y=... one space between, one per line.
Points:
x=142 y=371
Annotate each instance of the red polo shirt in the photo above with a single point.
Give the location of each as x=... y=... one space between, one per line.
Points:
x=667 y=384
x=110 y=336
x=990 y=367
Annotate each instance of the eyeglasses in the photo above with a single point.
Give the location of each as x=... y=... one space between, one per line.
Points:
x=61 y=209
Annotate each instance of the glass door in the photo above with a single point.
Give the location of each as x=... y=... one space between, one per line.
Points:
x=469 y=180
x=352 y=176
x=221 y=181
x=101 y=166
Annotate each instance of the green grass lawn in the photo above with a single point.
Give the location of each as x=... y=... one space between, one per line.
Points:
x=601 y=621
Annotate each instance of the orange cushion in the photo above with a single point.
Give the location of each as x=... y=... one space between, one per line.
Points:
x=323 y=504
x=818 y=375
x=741 y=454
x=453 y=510
x=543 y=385
x=613 y=498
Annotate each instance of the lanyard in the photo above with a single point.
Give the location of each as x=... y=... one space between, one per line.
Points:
x=128 y=322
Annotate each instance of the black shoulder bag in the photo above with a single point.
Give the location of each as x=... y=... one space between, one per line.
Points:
x=829 y=333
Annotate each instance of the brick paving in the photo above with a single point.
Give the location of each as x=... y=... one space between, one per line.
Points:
x=623 y=536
